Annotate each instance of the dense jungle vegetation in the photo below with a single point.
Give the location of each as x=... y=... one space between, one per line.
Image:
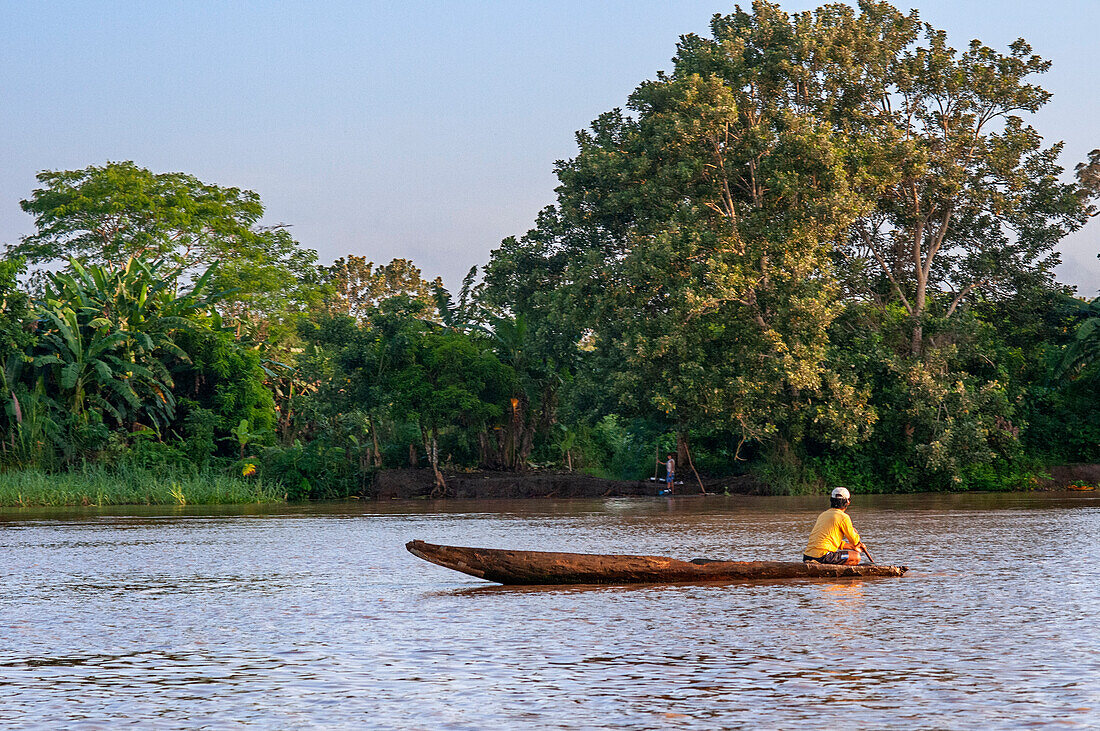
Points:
x=819 y=250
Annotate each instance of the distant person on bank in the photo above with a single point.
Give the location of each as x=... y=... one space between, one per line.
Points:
x=834 y=539
x=670 y=471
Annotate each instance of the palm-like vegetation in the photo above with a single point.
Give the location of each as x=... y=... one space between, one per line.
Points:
x=106 y=340
x=1084 y=349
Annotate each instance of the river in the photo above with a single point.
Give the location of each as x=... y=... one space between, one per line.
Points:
x=316 y=616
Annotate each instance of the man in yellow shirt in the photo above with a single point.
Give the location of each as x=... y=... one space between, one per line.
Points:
x=834 y=539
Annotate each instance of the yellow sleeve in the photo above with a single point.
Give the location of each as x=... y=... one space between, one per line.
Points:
x=849 y=530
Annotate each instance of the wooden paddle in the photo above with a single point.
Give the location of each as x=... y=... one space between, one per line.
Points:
x=869 y=556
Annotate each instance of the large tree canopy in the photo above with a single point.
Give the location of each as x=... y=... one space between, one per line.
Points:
x=968 y=200
x=355 y=287
x=691 y=238
x=106 y=214
x=786 y=165
x=109 y=213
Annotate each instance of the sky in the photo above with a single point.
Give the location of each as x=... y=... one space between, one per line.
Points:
x=415 y=129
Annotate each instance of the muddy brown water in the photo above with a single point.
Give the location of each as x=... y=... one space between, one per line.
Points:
x=316 y=617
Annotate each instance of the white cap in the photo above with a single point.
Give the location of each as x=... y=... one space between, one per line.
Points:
x=841 y=492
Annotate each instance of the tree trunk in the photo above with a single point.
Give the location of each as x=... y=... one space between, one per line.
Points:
x=482 y=449
x=526 y=444
x=919 y=272
x=377 y=455
x=502 y=446
x=916 y=347
x=489 y=445
x=515 y=433
x=695 y=472
x=431 y=447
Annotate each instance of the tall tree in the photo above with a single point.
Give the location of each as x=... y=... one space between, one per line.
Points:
x=970 y=200
x=266 y=289
x=448 y=380
x=107 y=214
x=691 y=238
x=355 y=286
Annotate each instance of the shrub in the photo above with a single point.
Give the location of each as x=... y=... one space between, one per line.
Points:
x=315 y=470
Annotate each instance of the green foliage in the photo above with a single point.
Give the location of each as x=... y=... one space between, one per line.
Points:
x=354 y=287
x=106 y=214
x=226 y=378
x=691 y=240
x=35 y=434
x=142 y=450
x=1082 y=353
x=1061 y=403
x=89 y=485
x=111 y=213
x=448 y=380
x=623 y=452
x=14 y=311
x=105 y=349
x=317 y=470
x=785 y=473
x=107 y=336
x=969 y=202
x=199 y=429
x=267 y=289
x=468 y=393
x=818 y=250
x=1088 y=176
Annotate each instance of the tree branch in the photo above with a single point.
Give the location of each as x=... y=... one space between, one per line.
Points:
x=966 y=290
x=937 y=240
x=867 y=240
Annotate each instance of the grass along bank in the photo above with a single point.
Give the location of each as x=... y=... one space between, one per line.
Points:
x=127 y=486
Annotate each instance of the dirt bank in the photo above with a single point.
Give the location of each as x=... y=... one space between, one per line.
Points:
x=1067 y=474
x=409 y=483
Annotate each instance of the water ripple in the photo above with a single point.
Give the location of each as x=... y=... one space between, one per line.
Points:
x=316 y=616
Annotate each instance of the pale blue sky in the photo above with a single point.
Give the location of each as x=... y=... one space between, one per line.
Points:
x=420 y=129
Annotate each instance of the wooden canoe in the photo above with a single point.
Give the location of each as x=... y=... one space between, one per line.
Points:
x=543 y=567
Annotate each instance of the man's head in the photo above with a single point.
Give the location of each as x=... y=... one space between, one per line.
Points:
x=839 y=498
x=669 y=456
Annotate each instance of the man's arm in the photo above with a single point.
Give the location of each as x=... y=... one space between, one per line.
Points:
x=850 y=533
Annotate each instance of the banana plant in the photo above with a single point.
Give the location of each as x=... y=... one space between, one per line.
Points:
x=90 y=367
x=107 y=337
x=1084 y=349
x=243 y=435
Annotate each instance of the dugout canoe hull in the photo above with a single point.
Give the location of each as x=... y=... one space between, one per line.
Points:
x=544 y=567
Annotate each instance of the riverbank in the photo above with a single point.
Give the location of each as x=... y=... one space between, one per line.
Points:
x=412 y=484
x=1062 y=476
x=418 y=483
x=95 y=486
x=100 y=487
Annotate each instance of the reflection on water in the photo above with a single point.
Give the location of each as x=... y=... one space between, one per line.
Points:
x=315 y=616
